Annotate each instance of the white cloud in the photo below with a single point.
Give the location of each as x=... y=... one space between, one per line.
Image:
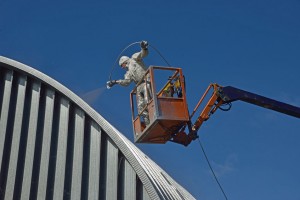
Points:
x=227 y=167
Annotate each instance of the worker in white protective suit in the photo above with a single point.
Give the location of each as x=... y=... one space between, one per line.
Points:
x=135 y=71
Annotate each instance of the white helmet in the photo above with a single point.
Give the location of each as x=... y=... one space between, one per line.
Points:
x=123 y=59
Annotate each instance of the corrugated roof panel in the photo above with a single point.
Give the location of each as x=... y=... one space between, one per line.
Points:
x=54 y=140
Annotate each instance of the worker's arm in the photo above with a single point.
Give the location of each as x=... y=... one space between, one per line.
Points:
x=143 y=53
x=140 y=55
x=126 y=81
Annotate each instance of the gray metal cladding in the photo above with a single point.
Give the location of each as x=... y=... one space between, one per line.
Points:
x=55 y=146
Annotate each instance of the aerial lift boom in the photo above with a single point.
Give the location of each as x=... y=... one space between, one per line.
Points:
x=168 y=110
x=226 y=95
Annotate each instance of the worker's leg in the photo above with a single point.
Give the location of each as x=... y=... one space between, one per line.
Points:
x=149 y=92
x=142 y=102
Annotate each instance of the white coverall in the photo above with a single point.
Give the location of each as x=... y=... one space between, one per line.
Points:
x=136 y=69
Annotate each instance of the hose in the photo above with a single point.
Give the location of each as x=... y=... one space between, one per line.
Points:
x=155 y=49
x=225 y=104
x=113 y=67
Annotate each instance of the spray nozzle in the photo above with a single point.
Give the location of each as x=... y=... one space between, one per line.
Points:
x=108 y=86
x=110 y=83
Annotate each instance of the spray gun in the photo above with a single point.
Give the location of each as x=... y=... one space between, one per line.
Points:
x=110 y=83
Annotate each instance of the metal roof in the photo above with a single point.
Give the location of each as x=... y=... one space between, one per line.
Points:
x=54 y=145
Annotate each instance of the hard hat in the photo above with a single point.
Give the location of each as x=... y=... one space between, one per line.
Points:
x=123 y=59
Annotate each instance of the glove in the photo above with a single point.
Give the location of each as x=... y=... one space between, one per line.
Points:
x=144 y=44
x=111 y=83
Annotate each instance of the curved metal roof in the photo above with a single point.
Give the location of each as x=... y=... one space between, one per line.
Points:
x=75 y=120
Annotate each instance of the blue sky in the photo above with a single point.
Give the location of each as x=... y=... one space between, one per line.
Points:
x=252 y=45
